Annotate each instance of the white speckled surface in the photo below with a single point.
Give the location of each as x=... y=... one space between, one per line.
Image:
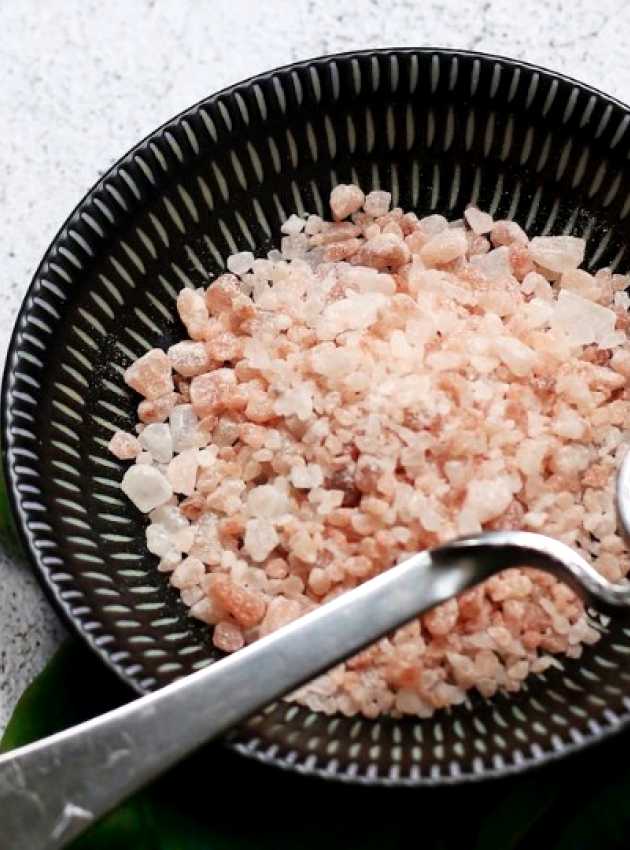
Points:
x=82 y=80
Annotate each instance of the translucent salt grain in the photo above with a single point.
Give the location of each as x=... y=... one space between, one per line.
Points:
x=184 y=424
x=267 y=502
x=294 y=224
x=159 y=540
x=377 y=203
x=314 y=224
x=306 y=477
x=146 y=487
x=240 y=263
x=444 y=247
x=294 y=247
x=188 y=574
x=583 y=321
x=182 y=472
x=495 y=265
x=157 y=439
x=124 y=446
x=557 y=253
x=260 y=539
x=169 y=517
x=480 y=222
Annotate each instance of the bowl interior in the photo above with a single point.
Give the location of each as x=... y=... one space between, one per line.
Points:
x=438 y=130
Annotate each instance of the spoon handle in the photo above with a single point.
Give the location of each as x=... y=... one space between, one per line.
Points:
x=52 y=790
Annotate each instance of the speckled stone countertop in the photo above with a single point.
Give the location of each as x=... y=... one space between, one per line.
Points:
x=81 y=81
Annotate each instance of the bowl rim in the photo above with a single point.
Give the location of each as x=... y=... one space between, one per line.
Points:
x=18 y=516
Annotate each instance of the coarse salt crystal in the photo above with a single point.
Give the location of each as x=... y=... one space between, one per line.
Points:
x=241 y=262
x=146 y=487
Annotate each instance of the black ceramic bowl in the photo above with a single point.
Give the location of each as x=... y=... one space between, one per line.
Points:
x=438 y=129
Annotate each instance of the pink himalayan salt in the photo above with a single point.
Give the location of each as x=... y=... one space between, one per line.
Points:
x=457 y=377
x=193 y=312
x=150 y=375
x=444 y=247
x=480 y=222
x=227 y=636
x=208 y=392
x=189 y=358
x=260 y=539
x=188 y=573
x=124 y=446
x=157 y=440
x=557 y=253
x=377 y=203
x=345 y=200
x=182 y=472
x=386 y=250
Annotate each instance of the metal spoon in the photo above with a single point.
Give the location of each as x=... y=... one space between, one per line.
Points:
x=52 y=790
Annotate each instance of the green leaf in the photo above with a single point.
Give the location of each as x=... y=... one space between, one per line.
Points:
x=217 y=800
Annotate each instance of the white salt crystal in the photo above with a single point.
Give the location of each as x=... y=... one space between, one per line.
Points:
x=156 y=438
x=184 y=422
x=377 y=203
x=306 y=477
x=260 y=539
x=294 y=224
x=240 y=263
x=294 y=247
x=495 y=264
x=169 y=517
x=146 y=487
x=159 y=540
x=557 y=253
x=267 y=502
x=583 y=321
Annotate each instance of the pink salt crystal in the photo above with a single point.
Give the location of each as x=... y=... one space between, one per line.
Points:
x=193 y=312
x=479 y=222
x=150 y=375
x=144 y=458
x=487 y=499
x=267 y=502
x=124 y=446
x=508 y=233
x=182 y=471
x=582 y=320
x=260 y=539
x=157 y=409
x=184 y=539
x=377 y=203
x=188 y=574
x=383 y=251
x=518 y=357
x=280 y=611
x=146 y=487
x=189 y=358
x=247 y=607
x=227 y=636
x=442 y=619
x=345 y=200
x=444 y=247
x=557 y=253
x=208 y=391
